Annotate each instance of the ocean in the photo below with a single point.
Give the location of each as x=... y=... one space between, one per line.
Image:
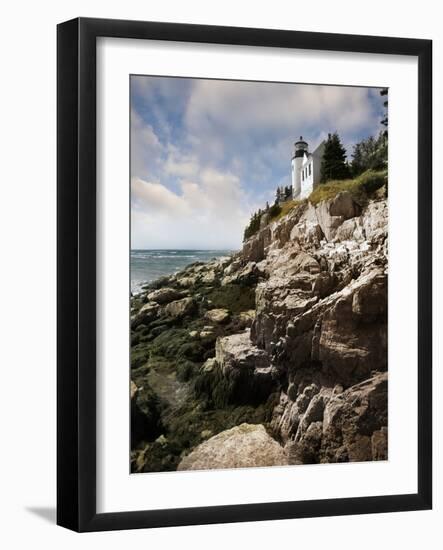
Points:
x=148 y=265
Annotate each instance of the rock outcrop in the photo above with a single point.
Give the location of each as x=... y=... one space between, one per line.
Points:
x=180 y=308
x=245 y=446
x=164 y=295
x=321 y=318
x=218 y=315
x=290 y=333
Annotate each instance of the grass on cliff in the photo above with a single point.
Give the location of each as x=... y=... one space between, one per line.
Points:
x=361 y=188
x=285 y=208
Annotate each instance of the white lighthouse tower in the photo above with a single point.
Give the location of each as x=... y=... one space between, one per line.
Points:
x=300 y=149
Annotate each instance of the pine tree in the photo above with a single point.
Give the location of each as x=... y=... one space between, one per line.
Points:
x=384 y=92
x=334 y=165
x=370 y=154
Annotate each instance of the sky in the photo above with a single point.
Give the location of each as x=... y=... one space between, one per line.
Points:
x=205 y=154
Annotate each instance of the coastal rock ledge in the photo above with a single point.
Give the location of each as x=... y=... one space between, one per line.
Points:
x=244 y=446
x=277 y=354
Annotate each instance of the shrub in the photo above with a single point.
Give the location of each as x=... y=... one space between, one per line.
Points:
x=285 y=208
x=370 y=180
x=274 y=211
x=361 y=188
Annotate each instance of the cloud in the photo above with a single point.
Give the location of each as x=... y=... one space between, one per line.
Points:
x=156 y=198
x=180 y=164
x=146 y=148
x=272 y=107
x=206 y=153
x=209 y=212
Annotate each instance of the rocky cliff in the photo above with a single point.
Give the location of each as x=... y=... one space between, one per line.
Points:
x=289 y=334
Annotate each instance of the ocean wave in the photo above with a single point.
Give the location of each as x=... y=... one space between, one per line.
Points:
x=162 y=257
x=149 y=265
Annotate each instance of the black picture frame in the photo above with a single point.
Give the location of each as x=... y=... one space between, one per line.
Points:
x=76 y=280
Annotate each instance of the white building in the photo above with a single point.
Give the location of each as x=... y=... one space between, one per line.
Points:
x=305 y=168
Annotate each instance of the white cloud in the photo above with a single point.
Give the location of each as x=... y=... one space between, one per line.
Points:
x=180 y=164
x=146 y=149
x=156 y=198
x=209 y=212
x=266 y=107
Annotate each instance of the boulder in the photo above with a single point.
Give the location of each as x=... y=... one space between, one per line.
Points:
x=164 y=295
x=209 y=277
x=146 y=314
x=218 y=316
x=236 y=352
x=180 y=308
x=244 y=446
x=186 y=281
x=247 y=275
x=245 y=369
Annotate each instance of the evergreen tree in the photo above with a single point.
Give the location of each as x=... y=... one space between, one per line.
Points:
x=370 y=154
x=334 y=165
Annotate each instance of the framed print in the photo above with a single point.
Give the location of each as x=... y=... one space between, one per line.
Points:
x=244 y=274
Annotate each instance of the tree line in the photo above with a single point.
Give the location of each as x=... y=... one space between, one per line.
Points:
x=369 y=154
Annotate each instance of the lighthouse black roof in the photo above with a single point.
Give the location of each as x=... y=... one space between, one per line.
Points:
x=300 y=147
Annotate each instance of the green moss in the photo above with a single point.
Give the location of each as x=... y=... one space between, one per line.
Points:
x=235 y=298
x=168 y=343
x=214 y=388
x=186 y=370
x=139 y=355
x=146 y=411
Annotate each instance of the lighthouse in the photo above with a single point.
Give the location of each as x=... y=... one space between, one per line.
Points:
x=300 y=149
